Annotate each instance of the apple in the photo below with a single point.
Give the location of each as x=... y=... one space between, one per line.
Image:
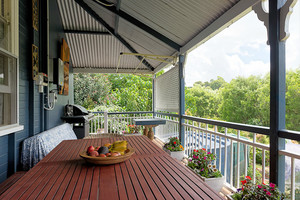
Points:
x=94 y=154
x=102 y=155
x=108 y=154
x=90 y=149
x=97 y=148
x=115 y=154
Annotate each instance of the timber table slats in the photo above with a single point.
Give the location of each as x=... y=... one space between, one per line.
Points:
x=150 y=173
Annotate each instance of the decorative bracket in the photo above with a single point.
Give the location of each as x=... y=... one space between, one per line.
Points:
x=286 y=10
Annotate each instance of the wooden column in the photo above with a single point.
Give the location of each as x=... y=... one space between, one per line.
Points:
x=277 y=95
x=181 y=99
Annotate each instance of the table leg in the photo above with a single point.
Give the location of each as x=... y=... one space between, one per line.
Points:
x=150 y=134
x=146 y=131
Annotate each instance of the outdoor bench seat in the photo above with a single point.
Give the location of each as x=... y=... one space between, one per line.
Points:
x=35 y=148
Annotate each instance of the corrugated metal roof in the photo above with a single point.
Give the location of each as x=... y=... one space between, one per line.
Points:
x=101 y=51
x=76 y=18
x=176 y=21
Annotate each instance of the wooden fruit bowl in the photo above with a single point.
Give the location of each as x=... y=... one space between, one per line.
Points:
x=107 y=160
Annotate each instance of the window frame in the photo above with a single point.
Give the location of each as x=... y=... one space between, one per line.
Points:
x=13 y=54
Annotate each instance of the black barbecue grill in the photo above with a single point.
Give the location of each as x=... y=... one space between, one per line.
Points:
x=79 y=117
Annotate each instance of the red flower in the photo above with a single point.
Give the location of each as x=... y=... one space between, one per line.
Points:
x=248 y=177
x=203 y=149
x=194 y=150
x=244 y=182
x=174 y=142
x=272 y=185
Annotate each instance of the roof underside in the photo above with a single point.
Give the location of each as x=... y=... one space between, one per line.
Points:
x=98 y=31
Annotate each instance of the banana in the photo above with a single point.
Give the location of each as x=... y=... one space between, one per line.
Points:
x=119 y=146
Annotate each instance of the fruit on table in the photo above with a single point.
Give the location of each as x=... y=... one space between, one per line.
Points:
x=103 y=150
x=119 y=146
x=108 y=150
x=94 y=154
x=115 y=154
x=108 y=145
x=90 y=149
x=97 y=148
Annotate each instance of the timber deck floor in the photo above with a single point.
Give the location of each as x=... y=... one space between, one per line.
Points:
x=150 y=173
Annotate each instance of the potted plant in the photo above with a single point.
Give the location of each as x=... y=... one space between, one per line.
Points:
x=174 y=148
x=201 y=162
x=249 y=190
x=132 y=129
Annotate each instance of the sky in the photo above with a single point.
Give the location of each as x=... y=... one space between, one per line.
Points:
x=241 y=50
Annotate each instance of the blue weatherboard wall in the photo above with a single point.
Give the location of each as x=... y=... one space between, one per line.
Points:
x=31 y=113
x=52 y=118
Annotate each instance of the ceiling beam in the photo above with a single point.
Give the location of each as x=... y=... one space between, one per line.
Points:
x=117 y=16
x=111 y=30
x=111 y=70
x=141 y=25
x=233 y=14
x=88 y=32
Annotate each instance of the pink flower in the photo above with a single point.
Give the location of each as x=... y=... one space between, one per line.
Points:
x=259 y=186
x=202 y=169
x=265 y=190
x=268 y=193
x=272 y=185
x=208 y=153
x=204 y=158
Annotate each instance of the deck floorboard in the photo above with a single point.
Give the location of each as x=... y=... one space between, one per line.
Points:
x=149 y=174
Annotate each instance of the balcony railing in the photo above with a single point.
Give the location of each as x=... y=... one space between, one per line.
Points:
x=236 y=155
x=115 y=122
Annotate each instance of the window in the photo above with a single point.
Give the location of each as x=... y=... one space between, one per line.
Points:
x=9 y=67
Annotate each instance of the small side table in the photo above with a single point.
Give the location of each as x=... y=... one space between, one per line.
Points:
x=149 y=124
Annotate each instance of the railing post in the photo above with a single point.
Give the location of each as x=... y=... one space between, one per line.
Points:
x=105 y=122
x=181 y=98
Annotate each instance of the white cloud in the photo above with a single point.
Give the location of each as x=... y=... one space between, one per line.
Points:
x=292 y=43
x=240 y=50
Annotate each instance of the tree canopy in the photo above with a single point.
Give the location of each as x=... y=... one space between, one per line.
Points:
x=242 y=100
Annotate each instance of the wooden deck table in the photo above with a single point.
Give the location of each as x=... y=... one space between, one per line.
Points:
x=149 y=174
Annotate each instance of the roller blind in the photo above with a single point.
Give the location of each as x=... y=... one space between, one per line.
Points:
x=166 y=91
